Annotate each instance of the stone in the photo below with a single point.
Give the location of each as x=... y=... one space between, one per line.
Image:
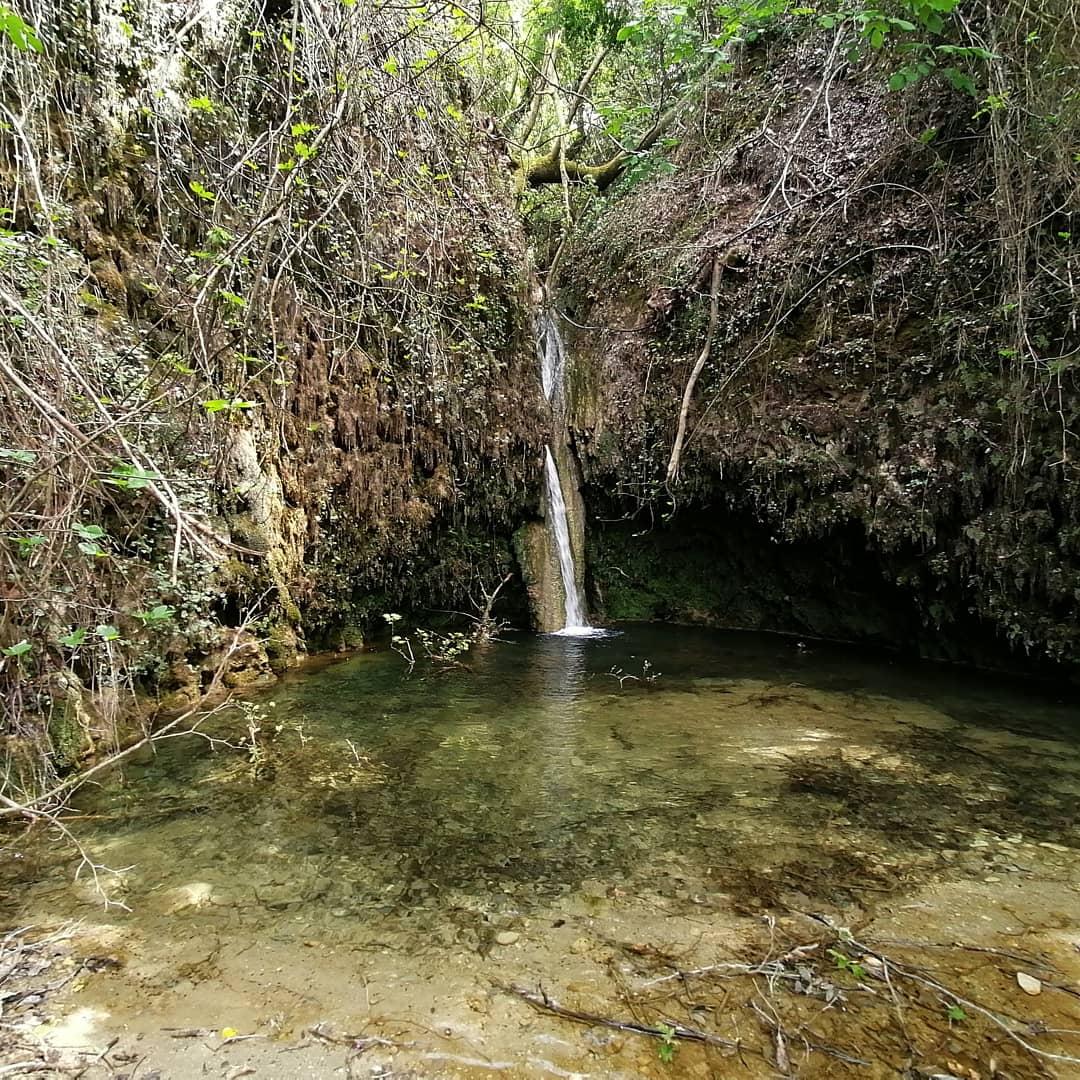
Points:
x=506 y=937
x=279 y=897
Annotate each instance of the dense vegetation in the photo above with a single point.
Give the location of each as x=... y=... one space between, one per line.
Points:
x=269 y=277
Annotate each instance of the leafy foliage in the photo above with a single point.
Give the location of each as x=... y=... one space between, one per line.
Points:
x=19 y=32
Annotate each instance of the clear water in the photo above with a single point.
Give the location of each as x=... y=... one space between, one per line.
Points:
x=695 y=771
x=537 y=769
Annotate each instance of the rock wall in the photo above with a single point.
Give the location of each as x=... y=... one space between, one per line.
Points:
x=867 y=394
x=271 y=365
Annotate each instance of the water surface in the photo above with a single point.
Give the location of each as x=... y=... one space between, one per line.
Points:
x=559 y=795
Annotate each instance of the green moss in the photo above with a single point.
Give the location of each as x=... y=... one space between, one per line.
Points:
x=282 y=647
x=349 y=636
x=67 y=734
x=658 y=575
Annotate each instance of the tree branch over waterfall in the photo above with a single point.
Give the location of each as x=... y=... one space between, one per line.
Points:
x=551 y=168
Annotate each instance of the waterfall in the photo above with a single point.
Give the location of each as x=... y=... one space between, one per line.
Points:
x=552 y=356
x=560 y=529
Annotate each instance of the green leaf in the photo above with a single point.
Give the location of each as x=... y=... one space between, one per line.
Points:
x=156 y=615
x=89 y=532
x=21 y=649
x=129 y=477
x=222 y=405
x=201 y=104
x=75 y=638
x=20 y=457
x=201 y=191
x=26 y=544
x=956 y=1013
x=218 y=238
x=107 y=632
x=390 y=65
x=960 y=80
x=19 y=32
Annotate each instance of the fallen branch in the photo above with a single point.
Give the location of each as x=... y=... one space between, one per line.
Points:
x=916 y=976
x=782 y=1058
x=546 y=1004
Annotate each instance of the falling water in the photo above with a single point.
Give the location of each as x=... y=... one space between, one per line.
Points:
x=552 y=356
x=575 y=608
x=552 y=372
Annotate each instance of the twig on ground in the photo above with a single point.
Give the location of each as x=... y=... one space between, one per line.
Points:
x=672 y=1030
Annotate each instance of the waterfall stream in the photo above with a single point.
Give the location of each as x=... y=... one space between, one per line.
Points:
x=552 y=375
x=560 y=530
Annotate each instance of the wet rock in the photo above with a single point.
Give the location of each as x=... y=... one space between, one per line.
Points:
x=280 y=897
x=109 y=281
x=72 y=722
x=346 y=638
x=318 y=888
x=183 y=897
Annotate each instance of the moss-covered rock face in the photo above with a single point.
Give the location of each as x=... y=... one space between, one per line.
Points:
x=864 y=397
x=68 y=731
x=540 y=575
x=724 y=569
x=274 y=264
